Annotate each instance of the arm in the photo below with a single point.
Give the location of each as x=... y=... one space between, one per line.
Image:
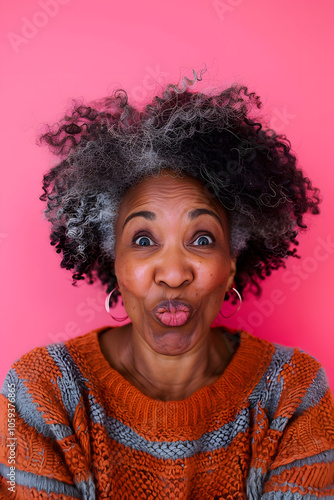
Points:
x=294 y=457
x=41 y=457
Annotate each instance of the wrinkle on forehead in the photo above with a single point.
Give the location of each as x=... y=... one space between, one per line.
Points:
x=157 y=190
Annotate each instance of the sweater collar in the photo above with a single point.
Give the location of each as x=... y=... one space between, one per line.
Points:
x=231 y=389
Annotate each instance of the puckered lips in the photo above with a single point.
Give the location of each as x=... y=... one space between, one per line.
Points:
x=173 y=312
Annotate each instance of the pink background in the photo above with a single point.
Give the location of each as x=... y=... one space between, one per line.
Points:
x=55 y=50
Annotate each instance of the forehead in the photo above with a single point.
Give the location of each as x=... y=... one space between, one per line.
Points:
x=169 y=190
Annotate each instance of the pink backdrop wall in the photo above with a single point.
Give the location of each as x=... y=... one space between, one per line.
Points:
x=53 y=50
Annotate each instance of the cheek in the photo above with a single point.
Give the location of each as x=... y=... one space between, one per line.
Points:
x=132 y=276
x=214 y=275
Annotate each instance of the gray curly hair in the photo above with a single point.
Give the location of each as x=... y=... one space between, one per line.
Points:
x=107 y=147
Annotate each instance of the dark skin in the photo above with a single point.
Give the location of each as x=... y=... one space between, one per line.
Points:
x=169 y=257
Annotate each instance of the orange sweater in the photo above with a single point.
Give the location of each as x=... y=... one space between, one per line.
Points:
x=72 y=427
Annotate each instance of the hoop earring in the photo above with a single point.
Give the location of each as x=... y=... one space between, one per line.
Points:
x=240 y=302
x=108 y=306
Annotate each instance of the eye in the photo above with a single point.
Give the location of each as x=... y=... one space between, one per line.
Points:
x=204 y=240
x=144 y=241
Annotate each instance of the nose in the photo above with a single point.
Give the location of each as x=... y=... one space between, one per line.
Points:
x=173 y=268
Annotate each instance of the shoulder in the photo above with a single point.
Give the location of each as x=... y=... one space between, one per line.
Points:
x=31 y=366
x=303 y=383
x=44 y=368
x=293 y=381
x=296 y=369
x=47 y=384
x=291 y=363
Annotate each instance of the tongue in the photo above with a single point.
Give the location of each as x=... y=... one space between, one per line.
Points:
x=174 y=319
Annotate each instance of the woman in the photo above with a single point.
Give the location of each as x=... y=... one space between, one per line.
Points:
x=175 y=208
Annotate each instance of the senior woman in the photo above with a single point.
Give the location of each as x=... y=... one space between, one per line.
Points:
x=176 y=208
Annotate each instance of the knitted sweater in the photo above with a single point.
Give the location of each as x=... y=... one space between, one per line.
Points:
x=78 y=429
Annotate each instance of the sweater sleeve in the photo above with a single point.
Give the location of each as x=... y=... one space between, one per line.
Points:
x=41 y=454
x=294 y=457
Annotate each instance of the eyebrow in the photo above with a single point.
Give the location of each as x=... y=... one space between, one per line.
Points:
x=192 y=215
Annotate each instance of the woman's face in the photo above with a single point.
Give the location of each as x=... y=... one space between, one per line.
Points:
x=169 y=248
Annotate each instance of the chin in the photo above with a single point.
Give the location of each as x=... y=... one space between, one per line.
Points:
x=171 y=343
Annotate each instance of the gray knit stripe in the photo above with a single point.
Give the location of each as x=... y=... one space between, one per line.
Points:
x=28 y=411
x=326 y=456
x=316 y=391
x=87 y=489
x=288 y=495
x=279 y=423
x=208 y=442
x=256 y=479
x=47 y=484
x=269 y=389
x=72 y=382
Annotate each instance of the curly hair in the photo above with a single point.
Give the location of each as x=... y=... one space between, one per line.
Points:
x=107 y=147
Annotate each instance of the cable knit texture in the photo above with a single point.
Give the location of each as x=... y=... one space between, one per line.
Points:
x=263 y=430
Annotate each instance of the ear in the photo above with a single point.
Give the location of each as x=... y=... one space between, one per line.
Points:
x=233 y=270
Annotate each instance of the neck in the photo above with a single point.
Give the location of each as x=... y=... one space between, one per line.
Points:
x=170 y=378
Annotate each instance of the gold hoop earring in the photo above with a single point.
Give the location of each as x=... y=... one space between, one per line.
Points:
x=240 y=302
x=107 y=304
